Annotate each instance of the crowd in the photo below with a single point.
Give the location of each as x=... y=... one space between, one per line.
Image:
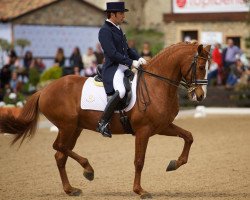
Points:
x=229 y=66
x=15 y=72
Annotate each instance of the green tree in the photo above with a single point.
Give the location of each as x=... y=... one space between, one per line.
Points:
x=22 y=43
x=154 y=38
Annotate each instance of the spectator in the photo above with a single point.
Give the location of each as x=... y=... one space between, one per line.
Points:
x=5 y=76
x=76 y=71
x=60 y=58
x=38 y=64
x=99 y=54
x=89 y=58
x=146 y=52
x=215 y=70
x=131 y=45
x=76 y=59
x=89 y=61
x=229 y=57
x=27 y=60
x=15 y=84
x=236 y=72
x=12 y=60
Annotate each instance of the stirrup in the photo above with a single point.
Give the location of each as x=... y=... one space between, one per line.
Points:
x=103 y=129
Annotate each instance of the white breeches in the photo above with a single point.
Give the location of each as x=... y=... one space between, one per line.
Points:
x=118 y=80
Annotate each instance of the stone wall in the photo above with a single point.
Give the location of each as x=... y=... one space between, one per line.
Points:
x=174 y=30
x=147 y=14
x=65 y=12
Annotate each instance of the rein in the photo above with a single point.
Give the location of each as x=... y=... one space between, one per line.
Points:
x=190 y=86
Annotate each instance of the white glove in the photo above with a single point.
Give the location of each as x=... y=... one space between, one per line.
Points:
x=135 y=63
x=142 y=61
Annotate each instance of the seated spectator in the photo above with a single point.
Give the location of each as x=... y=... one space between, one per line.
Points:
x=146 y=52
x=99 y=54
x=15 y=84
x=89 y=58
x=76 y=71
x=131 y=45
x=89 y=61
x=212 y=72
x=38 y=64
x=237 y=70
x=60 y=58
x=76 y=59
x=5 y=76
x=13 y=60
x=27 y=60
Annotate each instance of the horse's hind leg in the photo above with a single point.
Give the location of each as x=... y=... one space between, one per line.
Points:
x=174 y=130
x=64 y=149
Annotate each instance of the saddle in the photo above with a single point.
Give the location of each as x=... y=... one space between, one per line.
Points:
x=124 y=102
x=128 y=77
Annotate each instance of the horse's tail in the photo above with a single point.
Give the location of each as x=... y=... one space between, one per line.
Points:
x=25 y=124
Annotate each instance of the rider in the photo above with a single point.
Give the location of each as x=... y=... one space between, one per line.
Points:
x=118 y=58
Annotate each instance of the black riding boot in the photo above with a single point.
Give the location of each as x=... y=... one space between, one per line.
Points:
x=103 y=124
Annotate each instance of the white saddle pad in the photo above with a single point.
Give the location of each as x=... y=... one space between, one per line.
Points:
x=94 y=97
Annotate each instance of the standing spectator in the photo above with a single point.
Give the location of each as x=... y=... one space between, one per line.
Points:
x=146 y=52
x=131 y=45
x=60 y=58
x=99 y=54
x=27 y=60
x=76 y=59
x=217 y=58
x=229 y=57
x=89 y=61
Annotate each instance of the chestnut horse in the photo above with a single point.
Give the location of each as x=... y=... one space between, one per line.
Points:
x=159 y=79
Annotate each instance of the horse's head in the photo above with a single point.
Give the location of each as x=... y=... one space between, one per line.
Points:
x=195 y=74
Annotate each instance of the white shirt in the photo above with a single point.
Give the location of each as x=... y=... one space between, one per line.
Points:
x=117 y=26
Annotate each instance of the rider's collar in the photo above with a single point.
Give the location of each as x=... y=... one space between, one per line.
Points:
x=117 y=26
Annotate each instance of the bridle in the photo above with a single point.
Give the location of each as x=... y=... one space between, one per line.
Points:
x=183 y=82
x=189 y=85
x=192 y=85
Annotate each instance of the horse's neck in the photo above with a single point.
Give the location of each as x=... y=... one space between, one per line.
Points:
x=168 y=63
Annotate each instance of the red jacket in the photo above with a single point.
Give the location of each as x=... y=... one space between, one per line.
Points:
x=217 y=57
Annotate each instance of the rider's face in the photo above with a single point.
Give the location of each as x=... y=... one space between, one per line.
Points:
x=118 y=17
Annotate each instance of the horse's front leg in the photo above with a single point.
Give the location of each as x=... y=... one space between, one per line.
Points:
x=174 y=130
x=141 y=142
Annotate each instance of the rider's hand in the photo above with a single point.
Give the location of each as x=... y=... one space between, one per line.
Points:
x=135 y=63
x=142 y=61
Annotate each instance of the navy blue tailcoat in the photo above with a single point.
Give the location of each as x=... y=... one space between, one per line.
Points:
x=116 y=51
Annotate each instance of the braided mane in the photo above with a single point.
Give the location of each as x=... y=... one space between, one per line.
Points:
x=168 y=51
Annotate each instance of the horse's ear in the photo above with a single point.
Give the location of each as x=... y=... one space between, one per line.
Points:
x=207 y=48
x=200 y=48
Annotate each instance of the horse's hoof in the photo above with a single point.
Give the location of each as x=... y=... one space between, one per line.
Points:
x=171 y=166
x=146 y=196
x=75 y=192
x=88 y=175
